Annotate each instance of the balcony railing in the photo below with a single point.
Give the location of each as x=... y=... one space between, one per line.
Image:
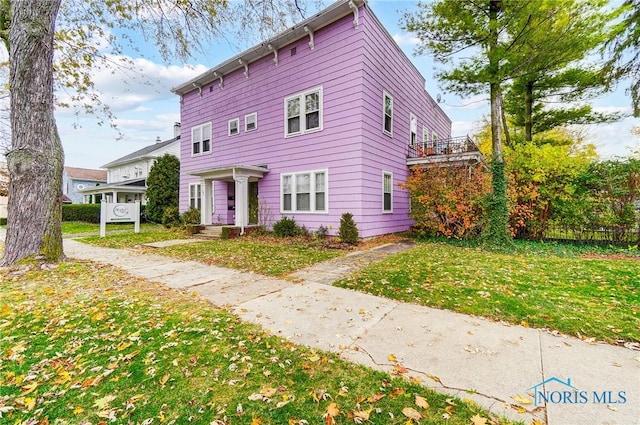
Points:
x=452 y=146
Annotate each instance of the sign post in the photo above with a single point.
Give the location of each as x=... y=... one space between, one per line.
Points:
x=119 y=213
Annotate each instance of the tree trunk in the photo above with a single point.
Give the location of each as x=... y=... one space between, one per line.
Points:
x=35 y=160
x=528 y=112
x=497 y=232
x=505 y=127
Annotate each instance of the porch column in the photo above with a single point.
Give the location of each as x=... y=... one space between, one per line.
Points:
x=207 y=201
x=115 y=197
x=242 y=201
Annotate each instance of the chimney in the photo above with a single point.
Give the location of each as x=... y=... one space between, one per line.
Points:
x=158 y=139
x=176 y=130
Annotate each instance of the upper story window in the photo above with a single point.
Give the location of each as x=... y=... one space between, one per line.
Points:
x=201 y=139
x=304 y=192
x=425 y=138
x=387 y=112
x=251 y=121
x=303 y=112
x=413 y=125
x=234 y=126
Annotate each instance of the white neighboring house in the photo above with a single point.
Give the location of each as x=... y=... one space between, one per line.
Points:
x=127 y=176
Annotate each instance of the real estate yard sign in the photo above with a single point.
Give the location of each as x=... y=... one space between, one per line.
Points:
x=119 y=213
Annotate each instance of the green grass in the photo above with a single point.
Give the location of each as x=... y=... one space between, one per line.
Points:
x=79 y=227
x=268 y=256
x=129 y=239
x=85 y=343
x=539 y=285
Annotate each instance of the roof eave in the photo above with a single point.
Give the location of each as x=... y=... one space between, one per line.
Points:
x=321 y=19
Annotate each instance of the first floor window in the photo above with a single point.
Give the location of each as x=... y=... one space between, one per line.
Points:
x=195 y=195
x=201 y=139
x=387 y=191
x=304 y=192
x=234 y=126
x=303 y=112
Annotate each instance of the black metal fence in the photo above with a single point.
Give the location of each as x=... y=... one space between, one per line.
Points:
x=454 y=145
x=601 y=235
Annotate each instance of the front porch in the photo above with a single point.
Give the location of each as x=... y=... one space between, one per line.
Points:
x=242 y=193
x=454 y=151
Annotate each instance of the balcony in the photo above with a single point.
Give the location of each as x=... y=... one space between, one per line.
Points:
x=454 y=151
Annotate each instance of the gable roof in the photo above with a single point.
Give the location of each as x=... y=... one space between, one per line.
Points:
x=321 y=19
x=86 y=174
x=142 y=153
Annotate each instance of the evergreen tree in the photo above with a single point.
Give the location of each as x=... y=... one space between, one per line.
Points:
x=163 y=186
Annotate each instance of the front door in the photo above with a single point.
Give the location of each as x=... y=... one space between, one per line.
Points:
x=253 y=202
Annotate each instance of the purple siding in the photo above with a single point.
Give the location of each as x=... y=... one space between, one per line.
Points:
x=353 y=67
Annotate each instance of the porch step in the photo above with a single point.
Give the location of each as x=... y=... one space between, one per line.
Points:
x=211 y=232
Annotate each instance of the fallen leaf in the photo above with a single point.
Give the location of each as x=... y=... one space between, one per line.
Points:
x=256 y=421
x=399 y=370
x=392 y=358
x=521 y=399
x=422 y=402
x=164 y=379
x=412 y=413
x=433 y=377
x=103 y=402
x=375 y=397
x=478 y=420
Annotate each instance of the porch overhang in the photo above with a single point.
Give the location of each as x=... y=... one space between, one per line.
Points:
x=229 y=172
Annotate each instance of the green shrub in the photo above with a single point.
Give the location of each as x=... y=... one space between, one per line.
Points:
x=89 y=213
x=348 y=232
x=170 y=217
x=191 y=216
x=3 y=221
x=286 y=227
x=322 y=232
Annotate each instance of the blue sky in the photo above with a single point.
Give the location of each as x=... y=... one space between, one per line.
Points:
x=146 y=109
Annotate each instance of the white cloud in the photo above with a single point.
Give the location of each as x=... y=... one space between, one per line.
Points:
x=406 y=39
x=461 y=128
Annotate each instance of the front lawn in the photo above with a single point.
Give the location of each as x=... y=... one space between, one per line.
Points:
x=87 y=344
x=546 y=286
x=123 y=240
x=265 y=255
x=79 y=227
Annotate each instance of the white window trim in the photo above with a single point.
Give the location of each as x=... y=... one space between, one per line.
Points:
x=312 y=201
x=426 y=142
x=201 y=126
x=386 y=94
x=303 y=121
x=387 y=173
x=413 y=119
x=199 y=184
x=255 y=118
x=237 y=121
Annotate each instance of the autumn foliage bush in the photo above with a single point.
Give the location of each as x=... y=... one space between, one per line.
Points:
x=448 y=200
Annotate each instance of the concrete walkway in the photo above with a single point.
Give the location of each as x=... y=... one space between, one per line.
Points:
x=495 y=364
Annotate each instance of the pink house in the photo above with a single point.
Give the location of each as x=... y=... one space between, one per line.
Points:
x=322 y=119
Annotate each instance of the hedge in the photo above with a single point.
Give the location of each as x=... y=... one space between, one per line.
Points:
x=89 y=213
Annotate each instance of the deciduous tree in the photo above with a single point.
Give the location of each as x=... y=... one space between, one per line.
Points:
x=85 y=28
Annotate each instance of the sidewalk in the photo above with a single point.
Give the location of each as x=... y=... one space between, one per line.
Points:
x=473 y=358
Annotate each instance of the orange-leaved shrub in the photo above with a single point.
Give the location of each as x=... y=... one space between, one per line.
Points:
x=447 y=200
